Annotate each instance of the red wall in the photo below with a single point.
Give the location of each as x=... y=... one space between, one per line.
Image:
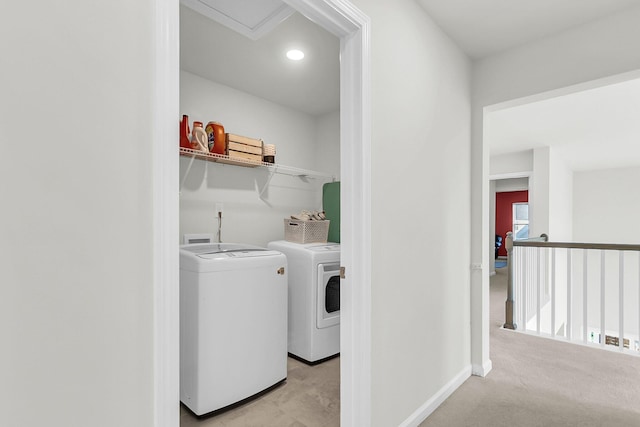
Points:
x=504 y=212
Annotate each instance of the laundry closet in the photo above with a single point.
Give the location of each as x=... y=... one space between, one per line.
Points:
x=253 y=202
x=253 y=91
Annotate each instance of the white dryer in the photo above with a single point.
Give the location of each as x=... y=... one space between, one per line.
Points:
x=314 y=299
x=233 y=323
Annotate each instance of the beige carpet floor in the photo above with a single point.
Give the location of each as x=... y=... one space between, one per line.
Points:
x=309 y=398
x=541 y=382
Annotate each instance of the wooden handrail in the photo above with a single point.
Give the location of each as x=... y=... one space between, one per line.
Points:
x=571 y=245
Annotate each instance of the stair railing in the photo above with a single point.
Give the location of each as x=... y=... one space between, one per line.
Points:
x=592 y=299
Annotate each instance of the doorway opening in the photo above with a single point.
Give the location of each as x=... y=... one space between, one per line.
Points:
x=248 y=84
x=352 y=27
x=552 y=169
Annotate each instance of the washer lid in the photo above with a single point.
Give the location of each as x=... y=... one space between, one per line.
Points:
x=210 y=257
x=325 y=247
x=225 y=250
x=211 y=251
x=239 y=253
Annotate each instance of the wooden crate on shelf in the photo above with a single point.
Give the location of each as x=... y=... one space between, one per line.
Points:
x=244 y=148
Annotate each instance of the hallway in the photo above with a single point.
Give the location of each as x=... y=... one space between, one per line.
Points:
x=541 y=382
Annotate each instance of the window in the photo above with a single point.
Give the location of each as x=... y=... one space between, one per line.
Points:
x=520 y=221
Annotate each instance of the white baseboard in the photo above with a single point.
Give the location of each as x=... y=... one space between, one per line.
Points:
x=482 y=371
x=436 y=400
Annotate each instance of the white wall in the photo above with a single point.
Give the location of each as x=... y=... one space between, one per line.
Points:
x=327 y=143
x=248 y=218
x=560 y=199
x=606 y=205
x=518 y=163
x=539 y=192
x=511 y=184
x=420 y=210
x=588 y=52
x=582 y=54
x=76 y=245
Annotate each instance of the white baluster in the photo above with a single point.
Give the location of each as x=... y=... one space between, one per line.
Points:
x=621 y=294
x=569 y=296
x=538 y=290
x=525 y=287
x=584 y=296
x=602 y=299
x=553 y=292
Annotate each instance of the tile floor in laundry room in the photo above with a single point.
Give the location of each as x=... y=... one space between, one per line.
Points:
x=310 y=397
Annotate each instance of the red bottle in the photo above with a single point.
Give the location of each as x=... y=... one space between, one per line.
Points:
x=185 y=141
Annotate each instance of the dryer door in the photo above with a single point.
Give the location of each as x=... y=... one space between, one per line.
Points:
x=328 y=302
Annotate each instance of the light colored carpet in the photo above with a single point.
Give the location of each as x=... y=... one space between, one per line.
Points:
x=309 y=398
x=541 y=382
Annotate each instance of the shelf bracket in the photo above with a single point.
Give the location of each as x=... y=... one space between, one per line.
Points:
x=272 y=172
x=186 y=174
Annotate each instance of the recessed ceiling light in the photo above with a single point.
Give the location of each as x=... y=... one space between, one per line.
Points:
x=295 y=55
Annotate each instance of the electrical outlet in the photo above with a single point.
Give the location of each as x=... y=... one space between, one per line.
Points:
x=219 y=210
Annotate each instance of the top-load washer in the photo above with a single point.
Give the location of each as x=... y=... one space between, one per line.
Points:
x=233 y=323
x=314 y=298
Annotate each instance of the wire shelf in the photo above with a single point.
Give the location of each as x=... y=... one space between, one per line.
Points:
x=272 y=167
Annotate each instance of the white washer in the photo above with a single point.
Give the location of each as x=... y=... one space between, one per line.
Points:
x=233 y=323
x=314 y=298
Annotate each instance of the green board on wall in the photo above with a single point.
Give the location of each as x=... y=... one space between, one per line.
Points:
x=331 y=206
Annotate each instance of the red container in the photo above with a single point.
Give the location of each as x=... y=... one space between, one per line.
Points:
x=185 y=141
x=215 y=135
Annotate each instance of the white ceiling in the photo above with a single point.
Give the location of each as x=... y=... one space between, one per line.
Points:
x=485 y=27
x=593 y=129
x=252 y=18
x=259 y=67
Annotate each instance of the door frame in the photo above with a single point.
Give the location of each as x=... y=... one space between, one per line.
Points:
x=480 y=200
x=342 y=19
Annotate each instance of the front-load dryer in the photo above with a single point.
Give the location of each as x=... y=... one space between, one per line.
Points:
x=233 y=323
x=314 y=298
